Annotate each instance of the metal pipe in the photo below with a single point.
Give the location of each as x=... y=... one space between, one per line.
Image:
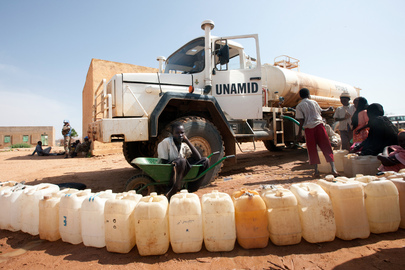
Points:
x=208 y=25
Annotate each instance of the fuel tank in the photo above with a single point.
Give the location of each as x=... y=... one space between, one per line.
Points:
x=286 y=83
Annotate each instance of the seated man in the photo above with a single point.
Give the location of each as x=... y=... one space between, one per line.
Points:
x=393 y=157
x=178 y=150
x=43 y=152
x=82 y=147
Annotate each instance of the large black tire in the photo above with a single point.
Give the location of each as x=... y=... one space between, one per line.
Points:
x=205 y=137
x=269 y=144
x=132 y=150
x=138 y=181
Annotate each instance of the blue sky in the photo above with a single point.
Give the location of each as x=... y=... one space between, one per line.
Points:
x=46 y=46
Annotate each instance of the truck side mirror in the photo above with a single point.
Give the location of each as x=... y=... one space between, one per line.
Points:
x=223 y=55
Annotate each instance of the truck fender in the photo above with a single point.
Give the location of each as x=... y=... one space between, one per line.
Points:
x=218 y=116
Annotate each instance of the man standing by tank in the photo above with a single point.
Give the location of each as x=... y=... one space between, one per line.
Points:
x=66 y=132
x=309 y=116
x=343 y=115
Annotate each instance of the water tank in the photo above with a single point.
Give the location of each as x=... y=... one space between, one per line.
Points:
x=288 y=83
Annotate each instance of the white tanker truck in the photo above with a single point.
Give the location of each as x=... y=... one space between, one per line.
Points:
x=219 y=89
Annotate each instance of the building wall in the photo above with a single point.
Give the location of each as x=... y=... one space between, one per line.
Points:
x=32 y=134
x=98 y=70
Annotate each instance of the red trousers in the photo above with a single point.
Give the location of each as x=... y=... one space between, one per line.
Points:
x=318 y=136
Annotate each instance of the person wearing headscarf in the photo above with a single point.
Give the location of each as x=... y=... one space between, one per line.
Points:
x=382 y=132
x=393 y=157
x=360 y=120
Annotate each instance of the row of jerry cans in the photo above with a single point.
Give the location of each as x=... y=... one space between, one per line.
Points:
x=20 y=206
x=350 y=164
x=344 y=208
x=384 y=195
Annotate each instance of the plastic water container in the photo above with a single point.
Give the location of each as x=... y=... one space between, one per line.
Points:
x=69 y=216
x=382 y=204
x=400 y=184
x=49 y=214
x=120 y=222
x=7 y=185
x=339 y=156
x=250 y=219
x=12 y=206
x=282 y=214
x=152 y=225
x=348 y=164
x=4 y=210
x=9 y=210
x=185 y=222
x=218 y=215
x=366 y=165
x=365 y=178
x=29 y=204
x=316 y=212
x=349 y=208
x=324 y=166
x=92 y=218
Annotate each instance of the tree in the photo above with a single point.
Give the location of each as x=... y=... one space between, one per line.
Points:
x=73 y=133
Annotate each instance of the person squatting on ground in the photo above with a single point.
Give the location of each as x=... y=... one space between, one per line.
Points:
x=334 y=138
x=393 y=157
x=43 y=152
x=309 y=116
x=178 y=150
x=382 y=132
x=82 y=147
x=66 y=132
x=343 y=115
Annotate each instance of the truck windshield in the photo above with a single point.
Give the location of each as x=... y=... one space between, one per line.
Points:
x=188 y=59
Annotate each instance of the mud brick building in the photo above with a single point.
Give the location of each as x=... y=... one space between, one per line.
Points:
x=29 y=135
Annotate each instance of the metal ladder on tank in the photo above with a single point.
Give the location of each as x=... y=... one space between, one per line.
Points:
x=278 y=129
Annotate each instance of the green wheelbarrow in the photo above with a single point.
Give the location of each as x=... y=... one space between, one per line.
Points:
x=155 y=174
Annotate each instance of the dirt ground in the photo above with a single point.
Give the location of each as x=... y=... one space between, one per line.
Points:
x=19 y=250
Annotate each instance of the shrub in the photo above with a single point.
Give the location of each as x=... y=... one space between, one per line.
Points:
x=21 y=145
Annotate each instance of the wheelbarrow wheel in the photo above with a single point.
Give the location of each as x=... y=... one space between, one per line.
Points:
x=138 y=181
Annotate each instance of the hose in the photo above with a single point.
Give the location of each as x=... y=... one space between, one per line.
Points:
x=291 y=119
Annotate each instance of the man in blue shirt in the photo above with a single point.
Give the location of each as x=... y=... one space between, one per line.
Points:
x=43 y=152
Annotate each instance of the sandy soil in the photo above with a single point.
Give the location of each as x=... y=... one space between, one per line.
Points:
x=22 y=251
